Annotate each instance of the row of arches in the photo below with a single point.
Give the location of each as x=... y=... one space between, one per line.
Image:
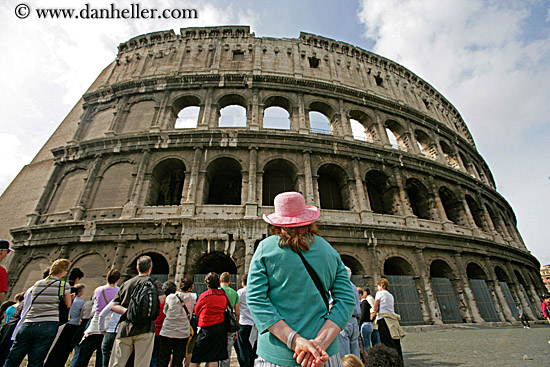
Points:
x=278 y=112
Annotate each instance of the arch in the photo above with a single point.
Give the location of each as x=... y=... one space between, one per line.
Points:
x=520 y=278
x=320 y=118
x=276 y=117
x=140 y=116
x=278 y=101
x=451 y=205
x=398 y=266
x=419 y=199
x=279 y=176
x=94 y=267
x=425 y=144
x=31 y=271
x=215 y=261
x=449 y=154
x=493 y=218
x=100 y=123
x=382 y=195
x=114 y=187
x=476 y=210
x=355 y=265
x=467 y=164
x=474 y=271
x=223 y=182
x=68 y=191
x=185 y=112
x=161 y=268
x=362 y=126
x=441 y=269
x=397 y=135
x=501 y=274
x=232 y=111
x=167 y=182
x=333 y=187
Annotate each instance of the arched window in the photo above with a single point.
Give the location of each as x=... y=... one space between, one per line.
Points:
x=396 y=136
x=449 y=155
x=114 y=186
x=476 y=210
x=276 y=118
x=359 y=131
x=419 y=199
x=397 y=266
x=68 y=191
x=392 y=138
x=279 y=176
x=223 y=182
x=333 y=188
x=452 y=206
x=440 y=269
x=319 y=123
x=381 y=193
x=232 y=111
x=188 y=118
x=167 y=183
x=475 y=271
x=425 y=145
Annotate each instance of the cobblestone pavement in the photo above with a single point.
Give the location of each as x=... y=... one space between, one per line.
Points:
x=470 y=345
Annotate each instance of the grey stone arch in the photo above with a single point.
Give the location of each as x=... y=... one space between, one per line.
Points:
x=493 y=217
x=118 y=185
x=358 y=273
x=161 y=266
x=368 y=122
x=426 y=144
x=526 y=291
x=178 y=103
x=135 y=118
x=421 y=199
x=476 y=271
x=27 y=273
x=333 y=187
x=223 y=181
x=65 y=194
x=397 y=265
x=468 y=164
x=90 y=263
x=477 y=212
x=279 y=175
x=505 y=222
x=382 y=191
x=232 y=99
x=448 y=292
x=326 y=109
x=391 y=125
x=97 y=117
x=453 y=207
x=166 y=181
x=284 y=102
x=449 y=154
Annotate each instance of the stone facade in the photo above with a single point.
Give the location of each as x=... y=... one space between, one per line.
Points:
x=406 y=195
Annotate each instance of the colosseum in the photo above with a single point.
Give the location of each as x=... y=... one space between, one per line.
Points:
x=182 y=142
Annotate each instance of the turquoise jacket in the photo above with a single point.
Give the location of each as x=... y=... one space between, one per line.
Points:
x=280 y=288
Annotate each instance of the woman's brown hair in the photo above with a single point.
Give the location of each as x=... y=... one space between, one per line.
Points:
x=297 y=238
x=58 y=267
x=383 y=282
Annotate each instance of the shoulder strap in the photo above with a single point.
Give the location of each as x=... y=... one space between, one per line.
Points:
x=104 y=296
x=315 y=278
x=39 y=293
x=184 y=307
x=62 y=288
x=229 y=305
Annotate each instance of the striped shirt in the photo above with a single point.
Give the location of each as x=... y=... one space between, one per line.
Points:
x=45 y=305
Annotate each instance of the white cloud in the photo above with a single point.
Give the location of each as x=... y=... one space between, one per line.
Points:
x=478 y=55
x=12 y=159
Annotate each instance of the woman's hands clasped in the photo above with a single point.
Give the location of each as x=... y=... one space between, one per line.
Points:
x=309 y=353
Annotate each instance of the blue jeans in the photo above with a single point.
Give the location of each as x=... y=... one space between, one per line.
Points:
x=366 y=332
x=34 y=338
x=107 y=346
x=348 y=339
x=91 y=344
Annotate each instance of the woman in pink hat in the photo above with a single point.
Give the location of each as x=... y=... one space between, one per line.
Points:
x=291 y=275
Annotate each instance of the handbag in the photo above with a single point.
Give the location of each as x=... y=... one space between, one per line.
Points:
x=231 y=324
x=315 y=279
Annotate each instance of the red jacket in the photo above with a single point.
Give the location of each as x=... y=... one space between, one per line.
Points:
x=160 y=320
x=210 y=307
x=545 y=306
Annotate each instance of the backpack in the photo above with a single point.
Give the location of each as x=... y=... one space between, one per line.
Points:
x=144 y=303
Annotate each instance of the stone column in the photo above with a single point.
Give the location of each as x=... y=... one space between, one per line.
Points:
x=252 y=202
x=120 y=257
x=364 y=205
x=135 y=198
x=204 y=123
x=469 y=217
x=468 y=293
x=255 y=120
x=182 y=258
x=373 y=256
x=487 y=221
x=503 y=310
x=248 y=252
x=432 y=307
x=188 y=208
x=447 y=224
x=404 y=207
x=309 y=190
x=303 y=120
x=519 y=293
x=344 y=120
x=440 y=156
x=381 y=129
x=85 y=198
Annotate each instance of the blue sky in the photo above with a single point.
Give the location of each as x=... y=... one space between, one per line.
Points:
x=489 y=58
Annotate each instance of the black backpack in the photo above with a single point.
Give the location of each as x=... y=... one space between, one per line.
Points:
x=144 y=303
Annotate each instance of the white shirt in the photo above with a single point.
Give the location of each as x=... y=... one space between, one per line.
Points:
x=386 y=302
x=108 y=320
x=176 y=324
x=245 y=317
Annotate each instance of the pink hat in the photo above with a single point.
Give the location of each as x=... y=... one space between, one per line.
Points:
x=291 y=211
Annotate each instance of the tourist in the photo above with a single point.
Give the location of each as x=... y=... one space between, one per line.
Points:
x=135 y=337
x=108 y=325
x=75 y=276
x=523 y=318
x=351 y=360
x=382 y=356
x=3 y=308
x=93 y=337
x=348 y=339
x=375 y=336
x=64 y=344
x=246 y=352
x=4 y=251
x=36 y=331
x=176 y=328
x=545 y=306
x=18 y=298
x=7 y=330
x=233 y=297
x=367 y=315
x=388 y=321
x=168 y=287
x=186 y=286
x=211 y=344
x=284 y=299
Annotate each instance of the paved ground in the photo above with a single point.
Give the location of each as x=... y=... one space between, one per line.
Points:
x=471 y=345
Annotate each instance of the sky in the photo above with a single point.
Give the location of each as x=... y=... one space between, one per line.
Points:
x=490 y=59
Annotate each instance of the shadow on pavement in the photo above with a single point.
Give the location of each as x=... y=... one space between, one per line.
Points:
x=424 y=360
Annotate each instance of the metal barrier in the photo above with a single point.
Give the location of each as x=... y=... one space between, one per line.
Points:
x=484 y=300
x=446 y=299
